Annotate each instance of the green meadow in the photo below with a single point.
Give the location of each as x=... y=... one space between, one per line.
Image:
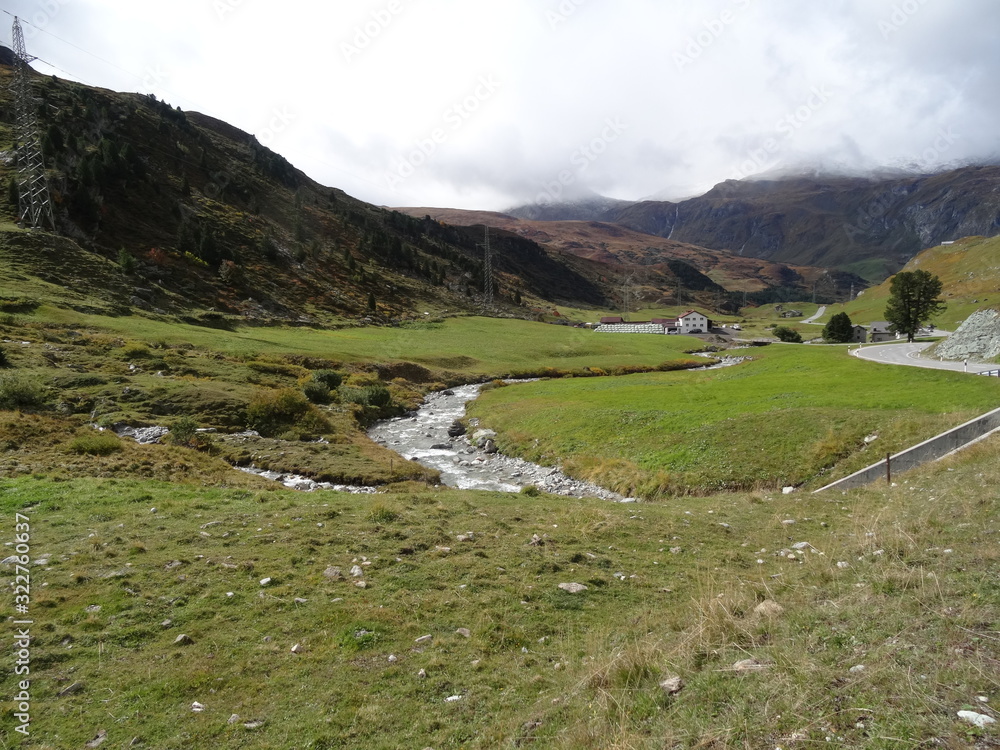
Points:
x=794 y=415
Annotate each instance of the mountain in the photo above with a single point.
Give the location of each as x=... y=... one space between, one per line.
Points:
x=171 y=211
x=867 y=225
x=615 y=244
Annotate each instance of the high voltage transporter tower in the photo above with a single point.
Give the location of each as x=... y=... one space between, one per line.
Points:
x=35 y=206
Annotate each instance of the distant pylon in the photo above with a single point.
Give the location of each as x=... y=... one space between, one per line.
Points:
x=35 y=206
x=487 y=272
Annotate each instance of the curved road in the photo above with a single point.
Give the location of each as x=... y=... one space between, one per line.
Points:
x=813 y=318
x=909 y=354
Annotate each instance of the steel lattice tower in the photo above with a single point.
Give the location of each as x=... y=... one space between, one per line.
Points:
x=487 y=273
x=35 y=209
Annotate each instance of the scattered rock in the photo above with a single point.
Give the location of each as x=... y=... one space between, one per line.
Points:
x=333 y=573
x=788 y=522
x=468 y=537
x=452 y=698
x=197 y=707
x=94 y=608
x=96 y=742
x=857 y=668
x=980 y=720
x=424 y=639
x=573 y=588
x=393 y=659
x=464 y=632
x=749 y=665
x=768 y=608
x=233 y=719
x=297 y=648
x=787 y=490
x=536 y=541
x=255 y=724
x=166 y=623
x=361 y=584
x=76 y=687
x=422 y=674
x=489 y=446
x=183 y=640
x=265 y=581
x=357 y=572
x=672 y=685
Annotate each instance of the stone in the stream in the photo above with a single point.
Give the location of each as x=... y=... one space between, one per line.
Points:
x=489 y=446
x=457 y=429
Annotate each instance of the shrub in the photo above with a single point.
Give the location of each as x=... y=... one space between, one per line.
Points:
x=19 y=391
x=382 y=513
x=330 y=378
x=316 y=392
x=788 y=335
x=369 y=395
x=126 y=261
x=96 y=444
x=184 y=430
x=273 y=412
x=283 y=412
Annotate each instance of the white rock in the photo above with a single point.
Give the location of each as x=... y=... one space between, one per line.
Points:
x=787 y=490
x=422 y=673
x=357 y=571
x=857 y=668
x=425 y=639
x=980 y=720
x=672 y=685
x=297 y=648
x=392 y=659
x=464 y=632
x=573 y=588
x=265 y=581
x=453 y=698
x=197 y=707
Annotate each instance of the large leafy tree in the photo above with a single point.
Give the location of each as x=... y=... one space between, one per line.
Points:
x=839 y=329
x=913 y=300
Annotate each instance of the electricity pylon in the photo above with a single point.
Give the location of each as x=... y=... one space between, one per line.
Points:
x=35 y=205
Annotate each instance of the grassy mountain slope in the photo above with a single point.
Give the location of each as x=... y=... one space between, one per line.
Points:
x=199 y=215
x=969 y=271
x=613 y=243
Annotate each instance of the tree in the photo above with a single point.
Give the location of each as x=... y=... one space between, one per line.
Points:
x=839 y=329
x=788 y=335
x=913 y=300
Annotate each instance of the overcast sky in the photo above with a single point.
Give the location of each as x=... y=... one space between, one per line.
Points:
x=492 y=103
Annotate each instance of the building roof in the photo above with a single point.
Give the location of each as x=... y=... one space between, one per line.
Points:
x=612 y=319
x=880 y=326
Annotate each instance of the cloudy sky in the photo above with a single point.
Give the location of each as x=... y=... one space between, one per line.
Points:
x=493 y=103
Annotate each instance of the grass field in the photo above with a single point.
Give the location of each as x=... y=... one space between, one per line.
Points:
x=795 y=415
x=872 y=633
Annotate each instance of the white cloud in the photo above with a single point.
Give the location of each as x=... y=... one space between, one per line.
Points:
x=707 y=90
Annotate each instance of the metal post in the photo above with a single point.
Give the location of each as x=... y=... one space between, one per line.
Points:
x=888 y=470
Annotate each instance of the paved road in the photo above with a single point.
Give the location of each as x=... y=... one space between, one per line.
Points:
x=909 y=354
x=813 y=318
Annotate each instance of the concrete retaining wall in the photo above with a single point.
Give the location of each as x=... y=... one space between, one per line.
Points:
x=929 y=450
